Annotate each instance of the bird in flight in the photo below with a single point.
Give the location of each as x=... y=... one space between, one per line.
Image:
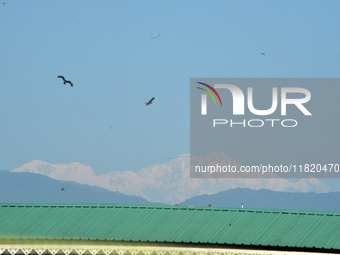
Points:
x=65 y=81
x=336 y=54
x=154 y=37
x=263 y=53
x=150 y=102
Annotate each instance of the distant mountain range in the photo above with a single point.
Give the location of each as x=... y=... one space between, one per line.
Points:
x=168 y=183
x=37 y=188
x=267 y=199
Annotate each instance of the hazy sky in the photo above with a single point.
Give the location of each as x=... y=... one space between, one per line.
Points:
x=106 y=49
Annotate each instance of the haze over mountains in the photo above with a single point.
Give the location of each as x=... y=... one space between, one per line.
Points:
x=267 y=199
x=37 y=188
x=168 y=183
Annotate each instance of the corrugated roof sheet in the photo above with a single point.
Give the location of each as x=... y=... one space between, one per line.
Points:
x=205 y=225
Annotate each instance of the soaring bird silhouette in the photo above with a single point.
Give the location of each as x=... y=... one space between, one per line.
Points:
x=65 y=81
x=150 y=102
x=154 y=37
x=337 y=55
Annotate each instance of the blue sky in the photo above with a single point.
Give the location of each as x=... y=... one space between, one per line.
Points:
x=105 y=48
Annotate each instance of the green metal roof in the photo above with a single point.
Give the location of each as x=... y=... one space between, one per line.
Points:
x=179 y=224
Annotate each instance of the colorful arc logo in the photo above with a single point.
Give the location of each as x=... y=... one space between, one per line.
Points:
x=208 y=92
